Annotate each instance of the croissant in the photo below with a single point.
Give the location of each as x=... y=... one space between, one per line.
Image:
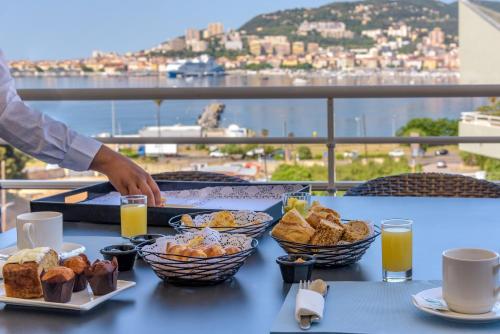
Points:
x=174 y=250
x=187 y=220
x=232 y=250
x=214 y=250
x=183 y=253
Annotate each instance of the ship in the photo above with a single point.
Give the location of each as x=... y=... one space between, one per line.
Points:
x=196 y=67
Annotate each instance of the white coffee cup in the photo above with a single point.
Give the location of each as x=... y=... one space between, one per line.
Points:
x=470 y=279
x=40 y=229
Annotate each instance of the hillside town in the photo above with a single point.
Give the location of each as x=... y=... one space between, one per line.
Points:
x=308 y=45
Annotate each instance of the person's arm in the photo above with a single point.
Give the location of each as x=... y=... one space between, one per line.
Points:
x=125 y=175
x=54 y=142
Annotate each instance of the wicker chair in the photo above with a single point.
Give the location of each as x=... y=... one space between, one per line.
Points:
x=427 y=185
x=197 y=176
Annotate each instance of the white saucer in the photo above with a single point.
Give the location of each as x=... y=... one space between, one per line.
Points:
x=491 y=316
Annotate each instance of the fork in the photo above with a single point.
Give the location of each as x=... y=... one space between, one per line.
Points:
x=306 y=320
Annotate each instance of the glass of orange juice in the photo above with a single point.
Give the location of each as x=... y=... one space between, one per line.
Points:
x=134 y=215
x=397 y=250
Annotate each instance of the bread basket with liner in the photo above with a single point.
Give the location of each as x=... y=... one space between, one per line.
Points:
x=196 y=271
x=249 y=223
x=341 y=254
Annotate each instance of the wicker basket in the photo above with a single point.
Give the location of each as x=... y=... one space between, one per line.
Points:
x=251 y=230
x=193 y=271
x=331 y=256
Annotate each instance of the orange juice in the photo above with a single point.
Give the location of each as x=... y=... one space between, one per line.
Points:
x=134 y=219
x=396 y=249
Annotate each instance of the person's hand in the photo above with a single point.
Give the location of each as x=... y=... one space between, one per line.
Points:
x=126 y=176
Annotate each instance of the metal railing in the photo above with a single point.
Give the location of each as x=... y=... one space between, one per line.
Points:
x=329 y=93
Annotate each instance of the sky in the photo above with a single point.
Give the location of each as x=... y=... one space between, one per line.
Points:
x=61 y=29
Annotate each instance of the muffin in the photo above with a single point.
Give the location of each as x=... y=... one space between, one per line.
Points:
x=57 y=284
x=78 y=264
x=102 y=276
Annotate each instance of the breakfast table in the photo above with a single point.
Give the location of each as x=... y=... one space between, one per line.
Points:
x=251 y=301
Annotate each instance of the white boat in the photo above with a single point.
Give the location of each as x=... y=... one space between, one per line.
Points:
x=299 y=82
x=196 y=67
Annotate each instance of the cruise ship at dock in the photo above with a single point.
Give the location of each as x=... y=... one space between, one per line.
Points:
x=196 y=67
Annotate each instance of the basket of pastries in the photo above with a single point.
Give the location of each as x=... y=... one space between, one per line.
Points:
x=249 y=223
x=322 y=233
x=198 y=258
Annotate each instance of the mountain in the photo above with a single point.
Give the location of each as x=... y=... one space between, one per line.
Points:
x=381 y=13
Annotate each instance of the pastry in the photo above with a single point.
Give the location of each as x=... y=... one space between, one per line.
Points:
x=214 y=250
x=232 y=250
x=22 y=271
x=327 y=233
x=223 y=219
x=78 y=264
x=319 y=286
x=196 y=241
x=356 y=230
x=102 y=276
x=315 y=216
x=293 y=227
x=57 y=284
x=183 y=252
x=173 y=250
x=319 y=208
x=187 y=220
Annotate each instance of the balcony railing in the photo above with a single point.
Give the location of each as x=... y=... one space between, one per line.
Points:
x=329 y=94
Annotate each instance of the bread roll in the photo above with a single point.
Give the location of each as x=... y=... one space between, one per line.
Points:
x=327 y=233
x=293 y=227
x=356 y=230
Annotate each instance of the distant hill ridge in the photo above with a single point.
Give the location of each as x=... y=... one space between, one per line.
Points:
x=385 y=12
x=382 y=14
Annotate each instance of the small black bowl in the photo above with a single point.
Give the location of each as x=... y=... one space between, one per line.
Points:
x=125 y=255
x=294 y=272
x=143 y=238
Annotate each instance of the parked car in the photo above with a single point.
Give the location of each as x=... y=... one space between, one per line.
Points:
x=217 y=154
x=397 y=153
x=441 y=164
x=441 y=152
x=351 y=155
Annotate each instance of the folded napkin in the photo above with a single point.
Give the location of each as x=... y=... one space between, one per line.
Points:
x=431 y=302
x=309 y=302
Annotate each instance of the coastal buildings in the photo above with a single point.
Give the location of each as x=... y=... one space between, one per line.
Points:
x=312 y=44
x=479 y=31
x=215 y=29
x=327 y=29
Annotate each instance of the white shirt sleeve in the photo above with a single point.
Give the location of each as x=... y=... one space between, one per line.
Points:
x=39 y=135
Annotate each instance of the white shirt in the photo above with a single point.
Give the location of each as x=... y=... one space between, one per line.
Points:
x=39 y=135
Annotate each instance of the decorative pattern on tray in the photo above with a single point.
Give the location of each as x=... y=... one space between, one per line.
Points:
x=250 y=223
x=258 y=197
x=195 y=270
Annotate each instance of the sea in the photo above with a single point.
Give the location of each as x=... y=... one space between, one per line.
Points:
x=304 y=118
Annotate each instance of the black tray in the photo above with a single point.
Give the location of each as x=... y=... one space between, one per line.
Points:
x=110 y=214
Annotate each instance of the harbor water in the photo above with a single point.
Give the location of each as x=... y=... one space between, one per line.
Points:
x=381 y=117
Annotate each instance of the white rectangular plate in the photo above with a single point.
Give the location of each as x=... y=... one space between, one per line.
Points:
x=80 y=301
